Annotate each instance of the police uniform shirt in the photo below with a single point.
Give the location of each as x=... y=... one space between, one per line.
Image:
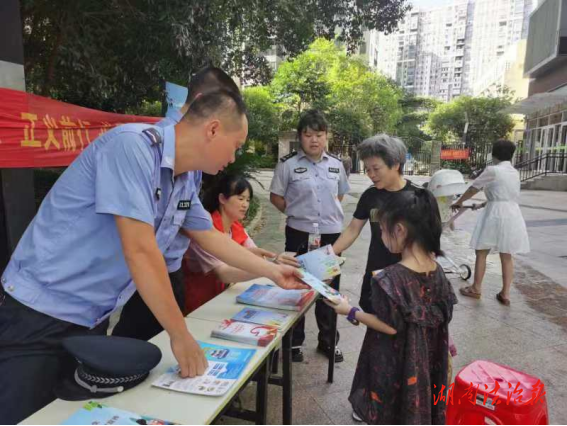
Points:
x=69 y=263
x=174 y=254
x=311 y=191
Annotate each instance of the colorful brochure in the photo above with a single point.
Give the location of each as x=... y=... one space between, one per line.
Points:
x=262 y=317
x=322 y=263
x=95 y=413
x=323 y=289
x=252 y=334
x=226 y=364
x=270 y=296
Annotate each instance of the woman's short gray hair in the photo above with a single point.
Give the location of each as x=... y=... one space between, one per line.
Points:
x=389 y=148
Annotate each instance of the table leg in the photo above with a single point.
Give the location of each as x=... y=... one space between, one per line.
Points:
x=262 y=393
x=275 y=361
x=287 y=371
x=331 y=368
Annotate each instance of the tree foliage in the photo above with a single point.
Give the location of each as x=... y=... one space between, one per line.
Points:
x=113 y=55
x=415 y=113
x=263 y=115
x=487 y=122
x=368 y=99
x=358 y=101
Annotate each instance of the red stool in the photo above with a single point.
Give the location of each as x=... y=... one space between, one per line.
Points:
x=488 y=393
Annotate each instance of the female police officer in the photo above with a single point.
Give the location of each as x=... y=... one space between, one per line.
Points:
x=308 y=186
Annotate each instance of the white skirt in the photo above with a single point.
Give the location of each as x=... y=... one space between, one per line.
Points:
x=501 y=228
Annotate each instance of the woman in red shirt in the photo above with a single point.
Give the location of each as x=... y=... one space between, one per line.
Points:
x=205 y=275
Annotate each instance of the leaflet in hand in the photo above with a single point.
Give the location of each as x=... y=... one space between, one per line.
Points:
x=322 y=263
x=323 y=289
x=270 y=296
x=226 y=364
x=95 y=413
x=244 y=332
x=262 y=317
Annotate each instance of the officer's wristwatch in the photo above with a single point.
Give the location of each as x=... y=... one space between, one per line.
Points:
x=351 y=317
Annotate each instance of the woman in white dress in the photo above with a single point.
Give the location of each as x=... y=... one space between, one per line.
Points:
x=500 y=226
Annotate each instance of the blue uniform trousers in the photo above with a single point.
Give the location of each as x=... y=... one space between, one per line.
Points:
x=31 y=357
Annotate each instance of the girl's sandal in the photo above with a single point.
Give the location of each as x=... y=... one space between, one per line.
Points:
x=503 y=300
x=469 y=292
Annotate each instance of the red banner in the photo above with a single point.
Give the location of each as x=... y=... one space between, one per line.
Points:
x=40 y=132
x=455 y=154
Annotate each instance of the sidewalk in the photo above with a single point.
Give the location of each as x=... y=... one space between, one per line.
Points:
x=531 y=335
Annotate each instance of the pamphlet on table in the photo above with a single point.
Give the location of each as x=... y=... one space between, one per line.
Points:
x=270 y=296
x=226 y=365
x=95 y=413
x=244 y=332
x=263 y=317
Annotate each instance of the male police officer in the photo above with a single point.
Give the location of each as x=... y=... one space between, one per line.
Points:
x=308 y=186
x=136 y=319
x=101 y=233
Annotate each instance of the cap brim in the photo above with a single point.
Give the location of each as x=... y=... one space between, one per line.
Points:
x=68 y=390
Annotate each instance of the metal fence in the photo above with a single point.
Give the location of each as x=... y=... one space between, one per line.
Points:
x=542 y=165
x=477 y=156
x=418 y=161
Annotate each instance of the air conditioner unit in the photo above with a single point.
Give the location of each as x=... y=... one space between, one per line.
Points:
x=547 y=38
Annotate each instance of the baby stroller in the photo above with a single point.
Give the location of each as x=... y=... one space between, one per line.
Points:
x=446 y=185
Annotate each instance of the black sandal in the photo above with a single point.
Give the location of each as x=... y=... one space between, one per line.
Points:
x=503 y=300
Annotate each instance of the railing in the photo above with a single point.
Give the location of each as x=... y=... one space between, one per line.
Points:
x=542 y=165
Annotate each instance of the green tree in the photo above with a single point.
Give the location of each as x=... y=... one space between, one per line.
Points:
x=415 y=113
x=263 y=115
x=486 y=120
x=366 y=100
x=114 y=55
x=486 y=123
x=358 y=101
x=303 y=81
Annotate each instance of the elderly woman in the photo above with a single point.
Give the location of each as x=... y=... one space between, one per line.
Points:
x=500 y=227
x=384 y=158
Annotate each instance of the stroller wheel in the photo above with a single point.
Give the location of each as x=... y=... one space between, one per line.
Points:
x=465 y=272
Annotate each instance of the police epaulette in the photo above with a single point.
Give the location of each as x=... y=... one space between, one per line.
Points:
x=333 y=155
x=153 y=135
x=288 y=156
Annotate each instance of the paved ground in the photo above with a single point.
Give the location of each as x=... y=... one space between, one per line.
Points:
x=531 y=335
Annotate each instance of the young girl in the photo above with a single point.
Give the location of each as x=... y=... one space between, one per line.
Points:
x=404 y=357
x=205 y=275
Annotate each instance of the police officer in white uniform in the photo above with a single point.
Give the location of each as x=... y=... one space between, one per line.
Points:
x=308 y=187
